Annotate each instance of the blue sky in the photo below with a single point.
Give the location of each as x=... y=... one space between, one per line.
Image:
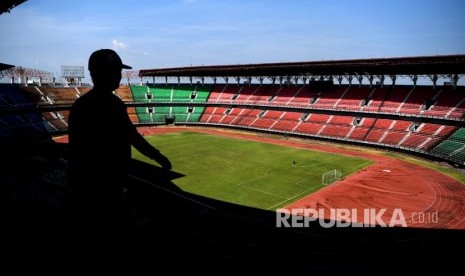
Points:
x=45 y=34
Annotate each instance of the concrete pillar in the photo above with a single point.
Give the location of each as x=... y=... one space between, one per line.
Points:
x=381 y=79
x=273 y=80
x=339 y=80
x=304 y=80
x=414 y=78
x=393 y=78
x=455 y=79
x=434 y=79
x=349 y=79
x=360 y=80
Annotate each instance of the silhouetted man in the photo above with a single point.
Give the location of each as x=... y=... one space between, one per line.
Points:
x=100 y=139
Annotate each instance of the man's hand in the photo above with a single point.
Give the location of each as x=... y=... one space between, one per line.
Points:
x=163 y=161
x=158 y=157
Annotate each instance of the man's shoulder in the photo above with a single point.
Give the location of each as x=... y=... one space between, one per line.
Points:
x=93 y=99
x=117 y=101
x=81 y=100
x=116 y=98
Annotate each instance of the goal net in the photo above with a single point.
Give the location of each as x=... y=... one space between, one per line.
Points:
x=331 y=177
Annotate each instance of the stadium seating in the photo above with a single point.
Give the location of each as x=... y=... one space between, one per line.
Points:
x=124 y=93
x=394 y=133
x=27 y=126
x=293 y=109
x=453 y=147
x=170 y=94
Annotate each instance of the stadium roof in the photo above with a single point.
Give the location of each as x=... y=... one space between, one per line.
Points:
x=4 y=66
x=7 y=5
x=422 y=65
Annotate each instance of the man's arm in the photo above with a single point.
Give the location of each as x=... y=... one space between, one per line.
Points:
x=146 y=149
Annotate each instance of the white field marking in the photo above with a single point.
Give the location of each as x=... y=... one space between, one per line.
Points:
x=301 y=185
x=354 y=169
x=433 y=188
x=306 y=191
x=269 y=208
x=243 y=182
x=316 y=164
x=258 y=190
x=266 y=174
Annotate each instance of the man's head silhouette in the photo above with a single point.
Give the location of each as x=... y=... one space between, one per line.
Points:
x=105 y=69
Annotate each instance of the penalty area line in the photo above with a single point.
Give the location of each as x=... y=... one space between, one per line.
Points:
x=297 y=195
x=255 y=189
x=258 y=190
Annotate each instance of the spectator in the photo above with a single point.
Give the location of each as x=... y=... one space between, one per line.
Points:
x=100 y=139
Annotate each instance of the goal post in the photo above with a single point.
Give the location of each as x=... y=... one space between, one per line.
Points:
x=331 y=177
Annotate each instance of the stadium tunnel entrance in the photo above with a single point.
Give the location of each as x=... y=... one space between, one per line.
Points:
x=169 y=119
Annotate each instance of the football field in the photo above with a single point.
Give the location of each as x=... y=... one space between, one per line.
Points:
x=248 y=173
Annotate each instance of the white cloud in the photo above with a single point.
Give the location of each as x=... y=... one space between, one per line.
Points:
x=118 y=45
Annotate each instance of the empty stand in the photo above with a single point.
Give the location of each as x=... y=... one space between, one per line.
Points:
x=288 y=108
x=27 y=127
x=124 y=93
x=184 y=94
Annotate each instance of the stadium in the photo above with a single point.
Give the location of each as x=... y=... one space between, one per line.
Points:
x=249 y=142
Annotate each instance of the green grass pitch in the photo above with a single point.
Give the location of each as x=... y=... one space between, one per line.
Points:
x=244 y=172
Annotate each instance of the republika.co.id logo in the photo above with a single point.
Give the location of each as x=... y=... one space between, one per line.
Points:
x=340 y=217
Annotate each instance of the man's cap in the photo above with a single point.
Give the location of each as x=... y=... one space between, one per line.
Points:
x=105 y=59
